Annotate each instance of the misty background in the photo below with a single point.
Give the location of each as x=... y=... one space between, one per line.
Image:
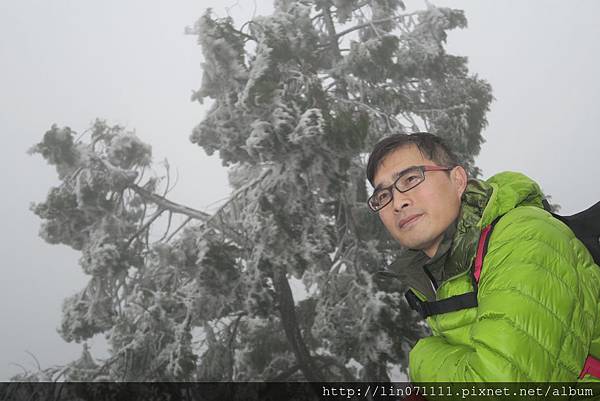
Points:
x=68 y=62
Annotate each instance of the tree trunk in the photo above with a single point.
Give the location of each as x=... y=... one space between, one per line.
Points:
x=285 y=302
x=341 y=87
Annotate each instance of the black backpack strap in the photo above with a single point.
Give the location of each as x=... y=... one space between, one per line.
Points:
x=430 y=308
x=456 y=302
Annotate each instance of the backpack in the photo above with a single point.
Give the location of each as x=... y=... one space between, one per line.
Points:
x=586 y=227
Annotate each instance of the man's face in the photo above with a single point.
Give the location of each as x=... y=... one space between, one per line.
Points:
x=417 y=219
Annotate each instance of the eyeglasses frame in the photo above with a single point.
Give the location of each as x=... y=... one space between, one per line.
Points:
x=391 y=188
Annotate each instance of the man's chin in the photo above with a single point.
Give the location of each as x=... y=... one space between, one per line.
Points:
x=412 y=245
x=416 y=245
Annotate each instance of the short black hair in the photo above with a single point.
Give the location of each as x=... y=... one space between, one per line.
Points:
x=431 y=146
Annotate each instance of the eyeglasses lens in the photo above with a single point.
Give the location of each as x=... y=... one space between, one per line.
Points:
x=405 y=182
x=380 y=199
x=409 y=180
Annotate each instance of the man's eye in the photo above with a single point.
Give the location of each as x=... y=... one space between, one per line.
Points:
x=382 y=196
x=411 y=178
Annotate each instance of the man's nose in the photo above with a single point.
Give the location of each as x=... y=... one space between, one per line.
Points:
x=400 y=200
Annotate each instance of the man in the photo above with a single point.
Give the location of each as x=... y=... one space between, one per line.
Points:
x=535 y=311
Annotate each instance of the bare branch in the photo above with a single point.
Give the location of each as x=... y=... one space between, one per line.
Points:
x=144 y=211
x=25 y=371
x=35 y=359
x=235 y=327
x=170 y=205
x=376 y=22
x=456 y=107
x=427 y=125
x=168 y=169
x=176 y=180
x=373 y=27
x=240 y=191
x=168 y=227
x=147 y=239
x=78 y=139
x=388 y=119
x=73 y=176
x=140 y=176
x=146 y=225
x=244 y=35
x=178 y=228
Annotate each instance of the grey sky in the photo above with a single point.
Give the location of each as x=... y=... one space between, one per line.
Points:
x=68 y=62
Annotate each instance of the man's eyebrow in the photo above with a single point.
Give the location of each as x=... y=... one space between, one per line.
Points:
x=394 y=177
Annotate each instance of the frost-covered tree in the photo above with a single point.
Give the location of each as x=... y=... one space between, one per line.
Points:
x=298 y=99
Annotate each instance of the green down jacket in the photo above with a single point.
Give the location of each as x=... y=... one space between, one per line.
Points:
x=538 y=296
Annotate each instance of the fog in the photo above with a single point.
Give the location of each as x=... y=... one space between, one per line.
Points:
x=68 y=62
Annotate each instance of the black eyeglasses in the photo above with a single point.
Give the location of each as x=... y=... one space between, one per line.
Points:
x=407 y=180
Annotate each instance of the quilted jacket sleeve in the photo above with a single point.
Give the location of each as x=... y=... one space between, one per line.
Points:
x=538 y=300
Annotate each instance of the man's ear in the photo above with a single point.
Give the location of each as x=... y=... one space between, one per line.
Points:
x=459 y=178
